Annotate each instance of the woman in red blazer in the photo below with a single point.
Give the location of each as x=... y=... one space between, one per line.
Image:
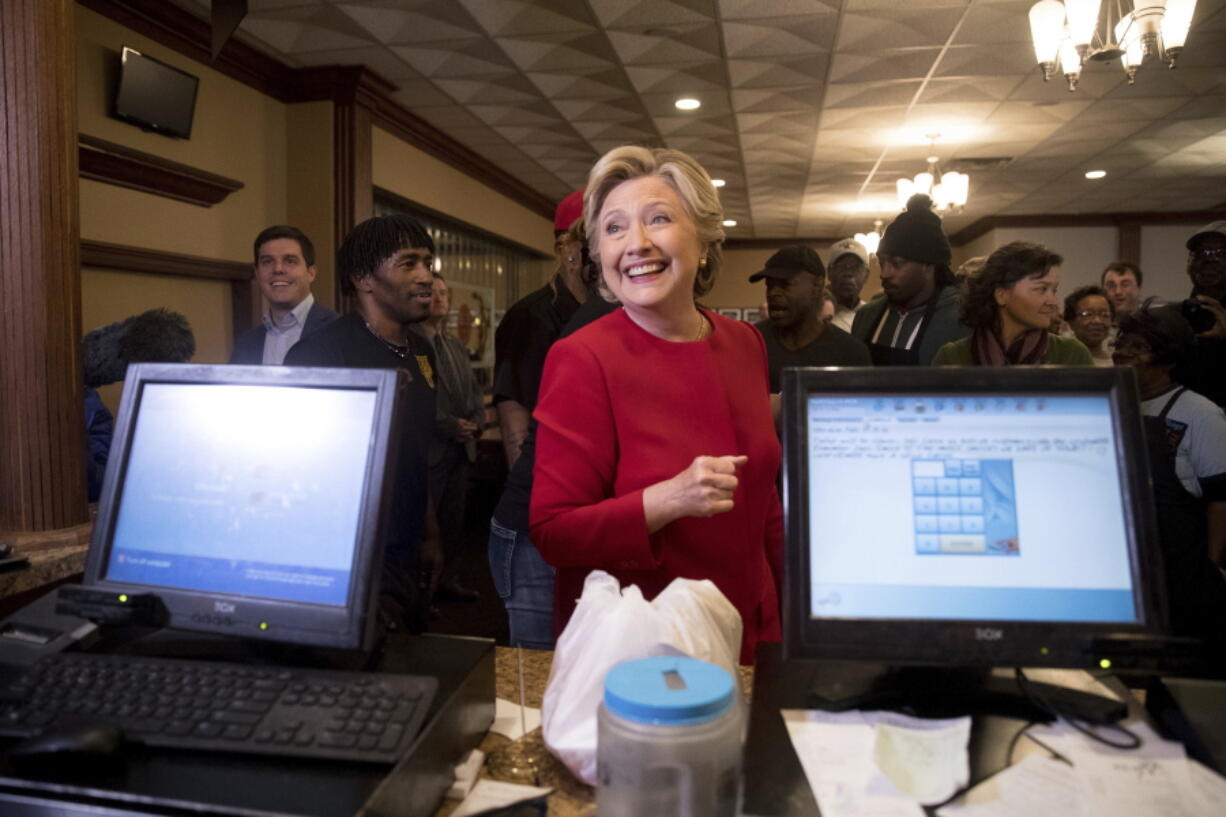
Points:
x=656 y=451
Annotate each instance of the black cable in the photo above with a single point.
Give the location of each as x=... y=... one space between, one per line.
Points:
x=1032 y=693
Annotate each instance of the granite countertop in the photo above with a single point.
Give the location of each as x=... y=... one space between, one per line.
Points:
x=53 y=555
x=526 y=760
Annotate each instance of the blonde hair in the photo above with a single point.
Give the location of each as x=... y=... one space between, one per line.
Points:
x=688 y=180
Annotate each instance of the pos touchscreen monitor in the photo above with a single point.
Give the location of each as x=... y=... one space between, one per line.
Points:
x=967 y=516
x=250 y=500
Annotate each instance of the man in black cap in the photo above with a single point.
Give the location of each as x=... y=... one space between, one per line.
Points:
x=1204 y=369
x=795 y=334
x=918 y=311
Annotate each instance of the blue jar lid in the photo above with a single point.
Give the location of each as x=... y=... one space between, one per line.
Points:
x=668 y=690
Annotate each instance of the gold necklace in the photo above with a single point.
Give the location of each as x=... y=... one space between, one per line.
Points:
x=401 y=351
x=703 y=327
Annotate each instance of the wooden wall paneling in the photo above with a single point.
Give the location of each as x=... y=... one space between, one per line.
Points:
x=244 y=292
x=1129 y=247
x=127 y=167
x=353 y=175
x=42 y=476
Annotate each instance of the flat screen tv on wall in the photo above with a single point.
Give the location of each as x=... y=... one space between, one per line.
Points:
x=154 y=96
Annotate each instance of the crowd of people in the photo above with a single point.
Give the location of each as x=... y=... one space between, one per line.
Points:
x=639 y=426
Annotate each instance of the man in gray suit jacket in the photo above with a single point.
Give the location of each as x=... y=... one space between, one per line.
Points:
x=284 y=269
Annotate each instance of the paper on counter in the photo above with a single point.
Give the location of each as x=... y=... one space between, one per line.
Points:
x=491 y=794
x=507 y=720
x=836 y=753
x=466 y=773
x=1037 y=785
x=926 y=759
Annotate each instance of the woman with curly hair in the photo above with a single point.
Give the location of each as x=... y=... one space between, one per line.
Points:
x=1009 y=306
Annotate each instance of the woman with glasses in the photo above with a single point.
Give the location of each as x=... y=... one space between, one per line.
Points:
x=1009 y=307
x=1090 y=314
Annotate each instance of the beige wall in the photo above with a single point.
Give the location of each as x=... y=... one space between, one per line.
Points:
x=237 y=132
x=108 y=296
x=419 y=177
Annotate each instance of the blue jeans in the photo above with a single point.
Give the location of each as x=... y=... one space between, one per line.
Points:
x=525 y=582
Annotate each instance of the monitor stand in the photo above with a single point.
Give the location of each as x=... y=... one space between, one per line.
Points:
x=947 y=692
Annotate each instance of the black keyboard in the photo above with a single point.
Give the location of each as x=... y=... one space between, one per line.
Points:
x=223 y=707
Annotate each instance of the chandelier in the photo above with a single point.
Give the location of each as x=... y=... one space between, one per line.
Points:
x=948 y=190
x=871 y=241
x=1069 y=33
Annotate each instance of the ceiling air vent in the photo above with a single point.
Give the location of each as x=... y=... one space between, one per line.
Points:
x=970 y=165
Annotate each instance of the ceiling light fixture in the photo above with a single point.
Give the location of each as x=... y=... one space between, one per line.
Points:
x=949 y=190
x=871 y=241
x=1095 y=174
x=718 y=182
x=1069 y=32
x=729 y=222
x=687 y=103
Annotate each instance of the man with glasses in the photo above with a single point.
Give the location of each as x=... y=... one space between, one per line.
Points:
x=384 y=265
x=1089 y=315
x=1204 y=370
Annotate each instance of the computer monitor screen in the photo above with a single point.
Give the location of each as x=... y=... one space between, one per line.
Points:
x=965 y=515
x=248 y=498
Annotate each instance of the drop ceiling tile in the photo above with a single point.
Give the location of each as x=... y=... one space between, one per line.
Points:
x=876 y=66
x=901 y=26
x=515 y=17
x=688 y=45
x=779 y=37
x=423 y=23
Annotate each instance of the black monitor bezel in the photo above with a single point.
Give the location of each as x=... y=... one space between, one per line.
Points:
x=961 y=642
x=350 y=627
x=163 y=128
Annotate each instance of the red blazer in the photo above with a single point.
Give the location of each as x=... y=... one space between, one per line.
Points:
x=619 y=410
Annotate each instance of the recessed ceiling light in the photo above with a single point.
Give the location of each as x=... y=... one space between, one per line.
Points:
x=1095 y=174
x=718 y=182
x=688 y=103
x=729 y=222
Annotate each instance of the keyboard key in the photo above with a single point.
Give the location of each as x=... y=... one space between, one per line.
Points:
x=236 y=732
x=391 y=738
x=230 y=716
x=207 y=730
x=340 y=740
x=178 y=727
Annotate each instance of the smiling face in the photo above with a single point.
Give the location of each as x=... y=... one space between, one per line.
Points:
x=1091 y=321
x=400 y=289
x=648 y=247
x=283 y=274
x=1028 y=304
x=1123 y=290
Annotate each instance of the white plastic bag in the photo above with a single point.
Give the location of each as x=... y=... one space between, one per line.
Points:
x=611 y=625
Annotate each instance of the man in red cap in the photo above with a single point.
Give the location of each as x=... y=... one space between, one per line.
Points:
x=531 y=325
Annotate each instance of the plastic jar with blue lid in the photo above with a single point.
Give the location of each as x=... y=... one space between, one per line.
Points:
x=668 y=740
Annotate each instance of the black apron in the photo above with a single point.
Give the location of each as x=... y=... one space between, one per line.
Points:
x=1195 y=589
x=890 y=356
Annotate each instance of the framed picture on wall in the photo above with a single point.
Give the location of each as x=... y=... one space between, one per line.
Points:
x=733 y=312
x=751 y=314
